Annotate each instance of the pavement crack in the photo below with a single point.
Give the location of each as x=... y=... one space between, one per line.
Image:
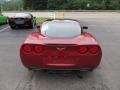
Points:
x=28 y=85
x=18 y=85
x=25 y=83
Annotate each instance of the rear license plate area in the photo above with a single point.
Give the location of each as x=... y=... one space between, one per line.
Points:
x=60 y=60
x=19 y=21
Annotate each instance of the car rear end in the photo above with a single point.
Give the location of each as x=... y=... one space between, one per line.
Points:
x=61 y=45
x=20 y=21
x=60 y=56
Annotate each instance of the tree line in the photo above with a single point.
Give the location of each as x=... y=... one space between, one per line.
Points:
x=61 y=5
x=72 y=4
x=11 y=5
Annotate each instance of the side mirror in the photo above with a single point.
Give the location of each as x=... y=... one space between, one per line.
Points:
x=84 y=28
x=38 y=28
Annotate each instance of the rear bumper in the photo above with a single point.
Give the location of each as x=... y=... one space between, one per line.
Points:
x=82 y=62
x=26 y=23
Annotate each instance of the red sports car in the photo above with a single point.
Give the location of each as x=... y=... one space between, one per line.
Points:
x=61 y=44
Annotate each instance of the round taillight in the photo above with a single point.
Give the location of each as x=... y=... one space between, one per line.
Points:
x=83 y=49
x=38 y=49
x=27 y=19
x=27 y=48
x=11 y=19
x=94 y=49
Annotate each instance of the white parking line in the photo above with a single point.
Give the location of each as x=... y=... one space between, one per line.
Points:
x=1 y=30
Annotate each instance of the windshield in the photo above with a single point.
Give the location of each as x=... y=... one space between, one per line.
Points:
x=22 y=15
x=61 y=29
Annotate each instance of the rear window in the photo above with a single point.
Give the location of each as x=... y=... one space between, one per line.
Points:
x=22 y=15
x=61 y=29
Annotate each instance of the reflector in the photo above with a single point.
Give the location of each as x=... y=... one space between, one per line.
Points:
x=11 y=18
x=27 y=19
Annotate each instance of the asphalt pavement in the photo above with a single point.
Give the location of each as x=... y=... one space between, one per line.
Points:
x=14 y=76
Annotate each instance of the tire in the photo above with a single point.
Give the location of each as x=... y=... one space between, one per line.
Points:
x=32 y=26
x=13 y=27
x=35 y=23
x=91 y=70
x=29 y=69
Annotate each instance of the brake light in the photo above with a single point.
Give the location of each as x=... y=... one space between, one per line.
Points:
x=27 y=19
x=94 y=49
x=38 y=49
x=83 y=49
x=11 y=18
x=27 y=48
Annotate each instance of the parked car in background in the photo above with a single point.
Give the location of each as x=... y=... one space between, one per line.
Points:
x=61 y=44
x=22 y=20
x=3 y=19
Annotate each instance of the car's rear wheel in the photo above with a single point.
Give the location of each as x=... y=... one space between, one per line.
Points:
x=35 y=23
x=91 y=70
x=30 y=69
x=13 y=27
x=32 y=26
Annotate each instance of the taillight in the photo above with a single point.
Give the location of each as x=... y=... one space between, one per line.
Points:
x=27 y=19
x=94 y=49
x=27 y=48
x=38 y=49
x=83 y=49
x=11 y=19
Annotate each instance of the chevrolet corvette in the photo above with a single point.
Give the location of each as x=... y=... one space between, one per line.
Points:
x=62 y=45
x=21 y=20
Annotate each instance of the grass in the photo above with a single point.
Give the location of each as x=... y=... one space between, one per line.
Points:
x=40 y=20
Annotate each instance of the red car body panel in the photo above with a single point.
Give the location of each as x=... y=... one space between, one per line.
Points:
x=61 y=53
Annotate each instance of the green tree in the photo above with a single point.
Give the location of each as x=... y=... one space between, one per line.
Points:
x=27 y=4
x=35 y=5
x=72 y=4
x=12 y=5
x=115 y=5
x=56 y=4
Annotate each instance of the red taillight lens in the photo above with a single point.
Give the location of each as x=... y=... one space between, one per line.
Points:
x=11 y=18
x=27 y=48
x=94 y=49
x=38 y=49
x=83 y=49
x=27 y=19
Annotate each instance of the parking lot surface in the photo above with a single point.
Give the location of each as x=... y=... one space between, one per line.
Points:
x=13 y=76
